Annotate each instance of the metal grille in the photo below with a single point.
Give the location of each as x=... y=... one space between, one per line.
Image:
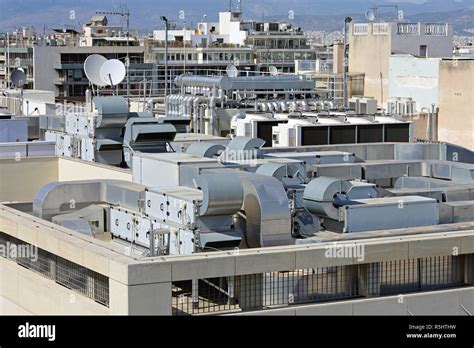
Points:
x=396 y=277
x=263 y=291
x=62 y=271
x=282 y=289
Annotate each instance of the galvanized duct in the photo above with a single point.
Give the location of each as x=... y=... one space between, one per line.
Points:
x=268 y=216
x=284 y=82
x=222 y=194
x=320 y=194
x=245 y=144
x=65 y=197
x=112 y=111
x=288 y=174
x=206 y=150
x=219 y=82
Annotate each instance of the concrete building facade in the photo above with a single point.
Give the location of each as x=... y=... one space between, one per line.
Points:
x=61 y=68
x=416 y=78
x=456 y=95
x=372 y=44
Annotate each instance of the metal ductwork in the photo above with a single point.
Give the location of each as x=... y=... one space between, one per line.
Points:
x=321 y=194
x=268 y=216
x=66 y=197
x=284 y=82
x=219 y=82
x=222 y=194
x=146 y=135
x=288 y=174
x=112 y=112
x=206 y=150
x=245 y=144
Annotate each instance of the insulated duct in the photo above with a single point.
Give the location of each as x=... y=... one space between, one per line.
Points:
x=219 y=82
x=65 y=197
x=222 y=194
x=321 y=194
x=267 y=211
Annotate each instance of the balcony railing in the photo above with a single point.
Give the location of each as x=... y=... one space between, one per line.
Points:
x=436 y=29
x=408 y=29
x=381 y=28
x=361 y=29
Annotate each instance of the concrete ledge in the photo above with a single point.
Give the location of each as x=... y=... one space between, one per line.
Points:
x=446 y=302
x=443 y=246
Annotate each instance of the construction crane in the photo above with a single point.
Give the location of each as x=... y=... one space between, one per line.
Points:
x=125 y=14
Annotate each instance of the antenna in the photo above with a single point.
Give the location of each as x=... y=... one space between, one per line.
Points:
x=112 y=72
x=125 y=14
x=18 y=78
x=232 y=71
x=273 y=70
x=92 y=67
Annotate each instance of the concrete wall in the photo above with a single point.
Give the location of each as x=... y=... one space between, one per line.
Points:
x=338 y=58
x=448 y=302
x=71 y=170
x=456 y=98
x=28 y=292
x=416 y=78
x=437 y=46
x=44 y=74
x=130 y=290
x=370 y=54
x=20 y=180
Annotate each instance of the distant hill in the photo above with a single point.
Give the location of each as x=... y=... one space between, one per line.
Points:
x=313 y=14
x=462 y=20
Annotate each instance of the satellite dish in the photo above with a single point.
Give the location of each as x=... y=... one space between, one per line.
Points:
x=232 y=71
x=273 y=70
x=112 y=72
x=92 y=67
x=18 y=78
x=370 y=15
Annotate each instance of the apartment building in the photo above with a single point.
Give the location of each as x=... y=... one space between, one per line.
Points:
x=372 y=44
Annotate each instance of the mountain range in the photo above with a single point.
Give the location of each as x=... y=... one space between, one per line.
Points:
x=145 y=14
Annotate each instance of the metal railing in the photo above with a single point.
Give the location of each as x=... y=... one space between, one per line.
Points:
x=64 y=272
x=277 y=289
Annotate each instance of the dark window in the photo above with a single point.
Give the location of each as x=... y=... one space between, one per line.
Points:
x=314 y=136
x=343 y=135
x=397 y=133
x=370 y=134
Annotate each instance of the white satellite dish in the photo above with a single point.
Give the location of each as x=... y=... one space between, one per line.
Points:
x=370 y=15
x=92 y=67
x=232 y=71
x=112 y=72
x=273 y=70
x=18 y=78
